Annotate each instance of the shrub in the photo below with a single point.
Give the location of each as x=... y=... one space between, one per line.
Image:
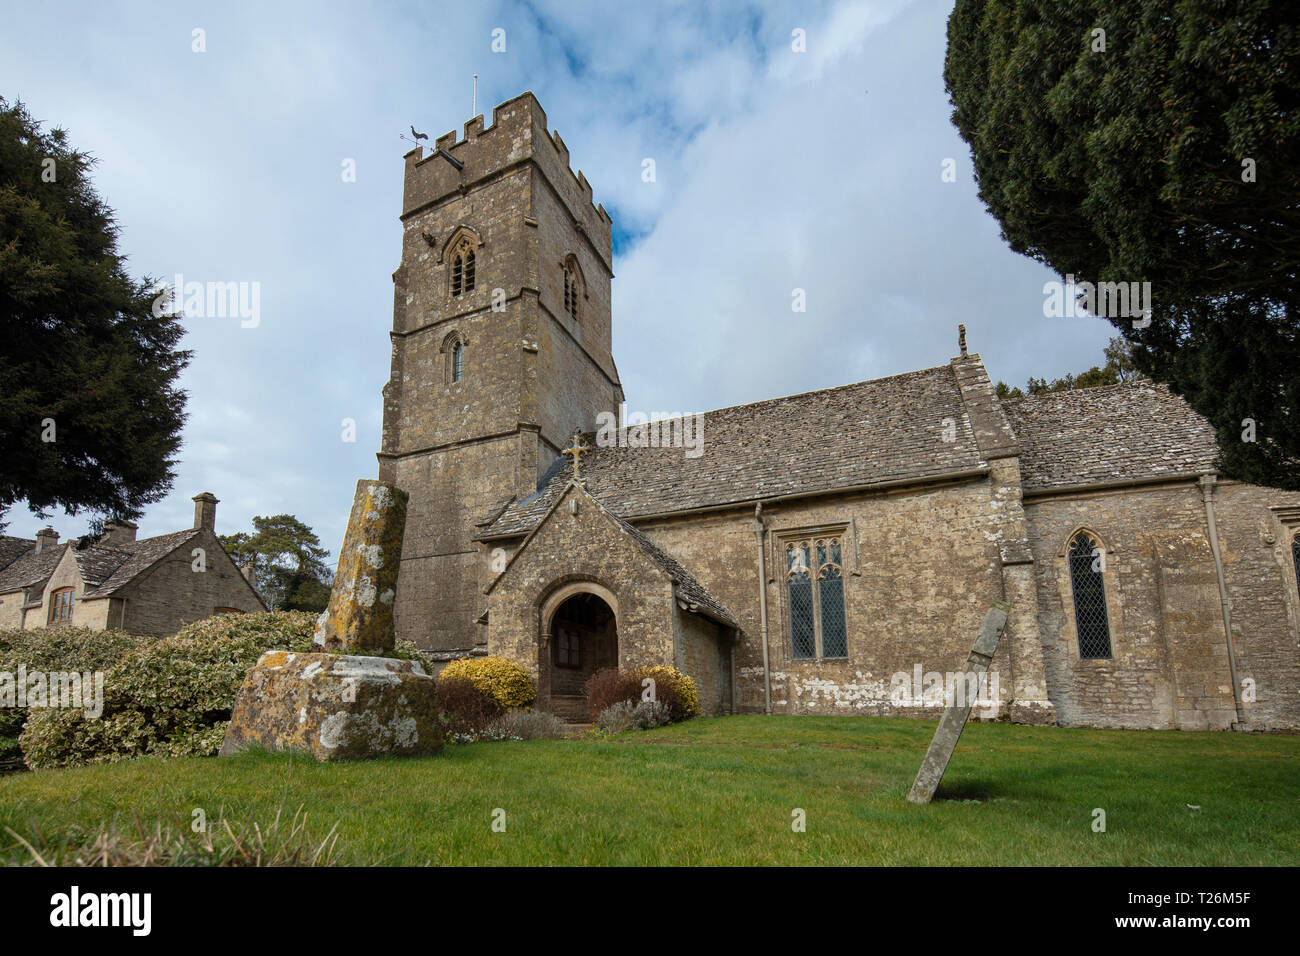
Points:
x=529 y=725
x=626 y=715
x=269 y=630
x=672 y=688
x=466 y=710
x=505 y=681
x=168 y=697
x=408 y=651
x=48 y=649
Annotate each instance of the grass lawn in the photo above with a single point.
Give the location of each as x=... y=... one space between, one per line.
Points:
x=722 y=791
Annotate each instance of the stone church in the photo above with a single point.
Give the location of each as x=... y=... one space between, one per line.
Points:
x=825 y=553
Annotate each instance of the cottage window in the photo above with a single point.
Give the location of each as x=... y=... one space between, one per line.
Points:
x=816 y=613
x=61 y=605
x=1088 y=585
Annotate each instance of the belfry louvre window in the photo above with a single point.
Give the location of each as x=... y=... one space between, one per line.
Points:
x=462 y=269
x=817 y=626
x=1088 y=587
x=61 y=605
x=571 y=292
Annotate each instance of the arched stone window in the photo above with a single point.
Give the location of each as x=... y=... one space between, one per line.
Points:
x=453 y=347
x=1087 y=585
x=573 y=287
x=462 y=267
x=817 y=626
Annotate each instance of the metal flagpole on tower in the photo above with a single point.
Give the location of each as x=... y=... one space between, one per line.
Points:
x=474 y=106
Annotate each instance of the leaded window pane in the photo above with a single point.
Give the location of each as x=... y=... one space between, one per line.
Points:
x=835 y=641
x=457 y=274
x=1089 y=590
x=803 y=635
x=457 y=362
x=469 y=271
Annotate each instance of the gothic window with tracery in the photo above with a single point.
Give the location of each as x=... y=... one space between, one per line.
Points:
x=1088 y=587
x=462 y=268
x=817 y=624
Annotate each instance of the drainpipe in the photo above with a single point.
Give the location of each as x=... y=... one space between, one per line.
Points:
x=1207 y=491
x=760 y=530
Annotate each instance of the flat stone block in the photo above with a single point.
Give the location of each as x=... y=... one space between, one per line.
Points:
x=336 y=707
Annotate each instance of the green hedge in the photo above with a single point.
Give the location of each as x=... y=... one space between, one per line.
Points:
x=167 y=697
x=48 y=649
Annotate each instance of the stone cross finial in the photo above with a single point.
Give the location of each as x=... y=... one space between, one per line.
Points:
x=577 y=448
x=961 y=338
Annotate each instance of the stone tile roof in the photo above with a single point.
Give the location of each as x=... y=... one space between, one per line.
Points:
x=688 y=588
x=140 y=556
x=11 y=549
x=103 y=569
x=881 y=430
x=30 y=569
x=1114 y=433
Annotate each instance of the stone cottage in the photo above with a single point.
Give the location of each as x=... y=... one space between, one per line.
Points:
x=150 y=586
x=831 y=552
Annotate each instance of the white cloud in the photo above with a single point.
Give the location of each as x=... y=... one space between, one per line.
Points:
x=775 y=170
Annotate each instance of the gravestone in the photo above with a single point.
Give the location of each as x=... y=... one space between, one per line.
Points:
x=346 y=701
x=953 y=721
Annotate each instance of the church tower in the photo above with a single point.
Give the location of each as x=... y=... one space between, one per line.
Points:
x=501 y=347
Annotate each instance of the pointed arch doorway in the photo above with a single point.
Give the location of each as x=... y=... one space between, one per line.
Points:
x=581 y=630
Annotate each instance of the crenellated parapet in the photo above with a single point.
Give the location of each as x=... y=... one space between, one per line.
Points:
x=518 y=136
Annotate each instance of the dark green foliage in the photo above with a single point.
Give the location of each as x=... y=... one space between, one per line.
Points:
x=1126 y=165
x=81 y=345
x=289 y=569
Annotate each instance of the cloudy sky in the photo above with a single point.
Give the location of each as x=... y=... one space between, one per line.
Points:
x=777 y=169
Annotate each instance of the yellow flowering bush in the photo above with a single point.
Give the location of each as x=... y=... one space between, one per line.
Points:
x=504 y=681
x=686 y=699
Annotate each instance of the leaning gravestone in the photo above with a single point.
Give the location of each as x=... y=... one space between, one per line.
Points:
x=954 y=718
x=350 y=703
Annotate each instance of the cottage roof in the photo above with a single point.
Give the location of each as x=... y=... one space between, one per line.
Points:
x=103 y=569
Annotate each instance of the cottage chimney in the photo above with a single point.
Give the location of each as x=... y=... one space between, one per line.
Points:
x=205 y=510
x=46 y=538
x=118 y=532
